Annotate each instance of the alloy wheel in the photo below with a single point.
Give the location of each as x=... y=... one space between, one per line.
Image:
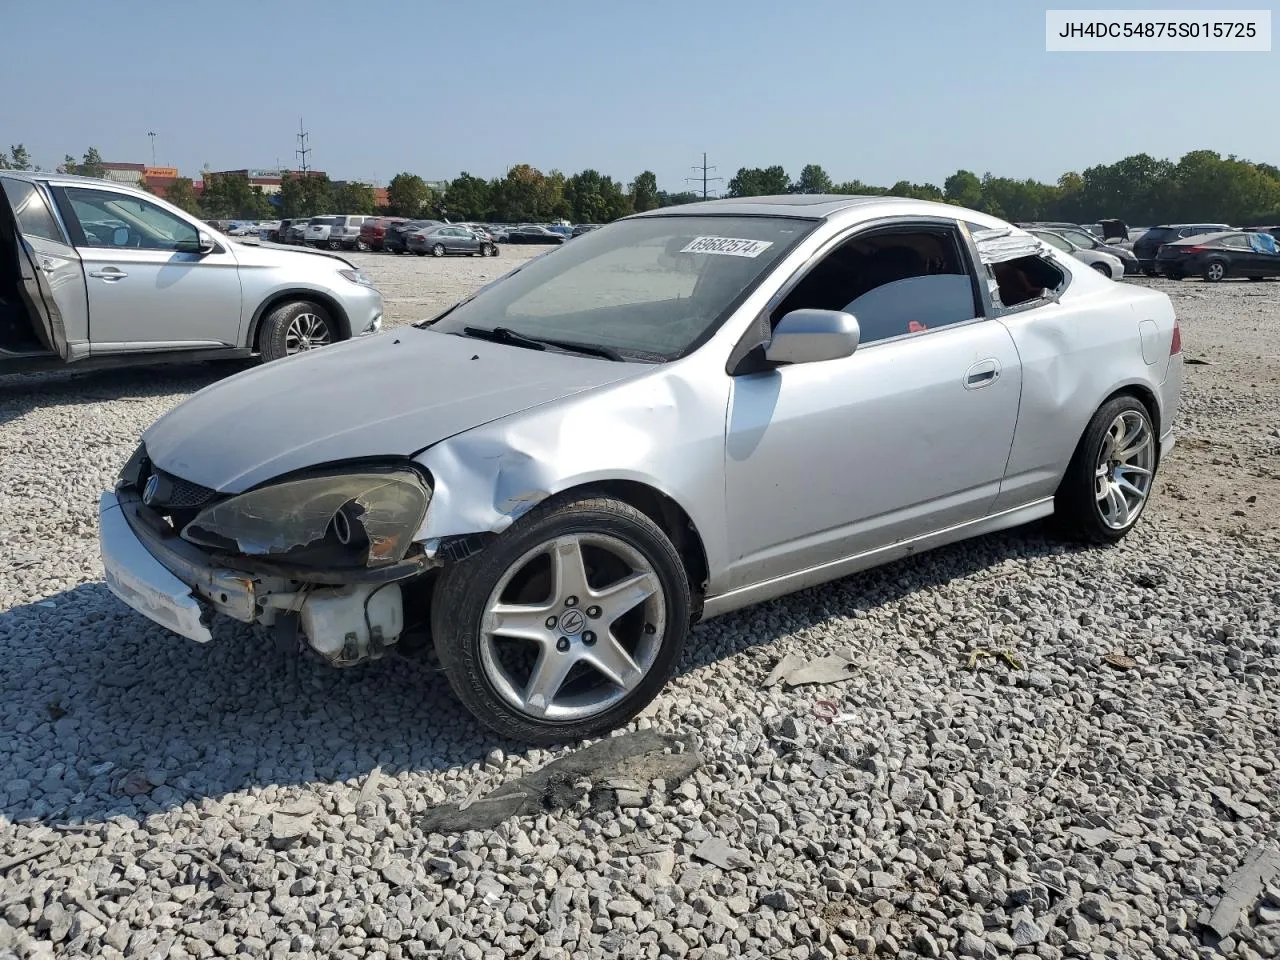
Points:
x=308 y=331
x=572 y=627
x=1215 y=271
x=1126 y=465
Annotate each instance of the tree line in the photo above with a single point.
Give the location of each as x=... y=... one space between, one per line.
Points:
x=1141 y=190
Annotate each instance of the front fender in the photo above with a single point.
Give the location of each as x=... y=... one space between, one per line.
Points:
x=664 y=430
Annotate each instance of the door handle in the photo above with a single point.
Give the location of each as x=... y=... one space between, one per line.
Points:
x=108 y=273
x=982 y=374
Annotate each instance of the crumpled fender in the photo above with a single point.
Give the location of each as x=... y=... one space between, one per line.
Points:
x=664 y=429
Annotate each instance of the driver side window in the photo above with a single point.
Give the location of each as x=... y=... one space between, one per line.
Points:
x=896 y=282
x=119 y=221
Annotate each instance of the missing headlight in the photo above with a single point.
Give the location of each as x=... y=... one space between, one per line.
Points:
x=366 y=518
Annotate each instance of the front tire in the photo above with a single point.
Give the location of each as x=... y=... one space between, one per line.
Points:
x=1102 y=268
x=566 y=626
x=1109 y=479
x=295 y=327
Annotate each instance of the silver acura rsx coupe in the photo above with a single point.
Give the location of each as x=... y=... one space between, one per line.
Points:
x=682 y=413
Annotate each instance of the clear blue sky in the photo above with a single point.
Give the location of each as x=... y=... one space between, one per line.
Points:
x=908 y=89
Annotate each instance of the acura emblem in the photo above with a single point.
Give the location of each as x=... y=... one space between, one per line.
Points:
x=572 y=622
x=149 y=490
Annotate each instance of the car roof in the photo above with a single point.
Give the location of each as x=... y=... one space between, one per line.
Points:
x=1204 y=237
x=825 y=207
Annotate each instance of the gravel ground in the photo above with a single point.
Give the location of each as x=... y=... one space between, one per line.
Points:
x=164 y=799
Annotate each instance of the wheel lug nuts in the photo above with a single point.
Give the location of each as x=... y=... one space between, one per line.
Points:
x=650 y=628
x=593 y=612
x=551 y=623
x=588 y=637
x=563 y=644
x=570 y=601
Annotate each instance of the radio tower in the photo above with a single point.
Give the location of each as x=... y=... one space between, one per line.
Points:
x=704 y=169
x=303 y=150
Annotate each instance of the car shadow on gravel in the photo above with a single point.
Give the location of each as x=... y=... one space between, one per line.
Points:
x=112 y=715
x=22 y=392
x=878 y=587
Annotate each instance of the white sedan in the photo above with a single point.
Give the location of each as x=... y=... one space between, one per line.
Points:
x=1105 y=263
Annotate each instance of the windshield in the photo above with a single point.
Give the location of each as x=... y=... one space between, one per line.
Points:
x=654 y=286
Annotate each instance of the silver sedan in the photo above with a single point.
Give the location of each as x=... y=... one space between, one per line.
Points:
x=680 y=414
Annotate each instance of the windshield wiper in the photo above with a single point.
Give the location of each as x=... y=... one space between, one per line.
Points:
x=504 y=335
x=508 y=336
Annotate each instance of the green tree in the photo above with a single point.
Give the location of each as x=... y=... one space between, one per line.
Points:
x=18 y=158
x=813 y=179
x=354 y=198
x=92 y=164
x=963 y=188
x=468 y=197
x=677 y=199
x=856 y=188
x=182 y=193
x=519 y=196
x=644 y=192
x=407 y=195
x=594 y=197
x=757 y=182
x=231 y=196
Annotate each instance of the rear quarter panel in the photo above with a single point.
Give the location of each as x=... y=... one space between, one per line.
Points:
x=1075 y=354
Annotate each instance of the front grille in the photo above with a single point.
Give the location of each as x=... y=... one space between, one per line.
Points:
x=175 y=493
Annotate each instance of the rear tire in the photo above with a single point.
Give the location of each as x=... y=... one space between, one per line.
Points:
x=437 y=250
x=1215 y=271
x=1150 y=272
x=620 y=542
x=1124 y=469
x=333 y=245
x=288 y=329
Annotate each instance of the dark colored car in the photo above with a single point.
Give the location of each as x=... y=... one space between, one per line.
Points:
x=1271 y=229
x=374 y=230
x=1147 y=246
x=1216 y=256
x=450 y=238
x=582 y=228
x=394 y=239
x=1083 y=238
x=530 y=233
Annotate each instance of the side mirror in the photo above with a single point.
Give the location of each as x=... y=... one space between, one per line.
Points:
x=206 y=244
x=811 y=336
x=120 y=237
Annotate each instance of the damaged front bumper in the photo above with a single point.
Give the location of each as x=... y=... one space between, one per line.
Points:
x=346 y=615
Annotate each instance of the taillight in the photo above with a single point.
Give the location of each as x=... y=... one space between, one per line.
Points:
x=1175 y=345
x=1193 y=249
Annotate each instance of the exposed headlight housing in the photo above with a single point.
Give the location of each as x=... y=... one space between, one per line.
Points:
x=367 y=518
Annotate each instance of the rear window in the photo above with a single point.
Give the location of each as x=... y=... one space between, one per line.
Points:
x=1160 y=233
x=323 y=221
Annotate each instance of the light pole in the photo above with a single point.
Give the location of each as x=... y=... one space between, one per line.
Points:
x=152 y=135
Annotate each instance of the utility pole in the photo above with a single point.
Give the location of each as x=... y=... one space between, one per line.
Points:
x=704 y=170
x=152 y=135
x=303 y=150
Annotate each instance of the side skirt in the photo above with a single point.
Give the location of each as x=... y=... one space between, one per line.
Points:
x=835 y=569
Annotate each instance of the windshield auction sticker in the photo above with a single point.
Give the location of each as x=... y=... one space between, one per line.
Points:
x=728 y=246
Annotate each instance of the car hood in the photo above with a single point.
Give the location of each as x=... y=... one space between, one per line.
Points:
x=278 y=255
x=392 y=394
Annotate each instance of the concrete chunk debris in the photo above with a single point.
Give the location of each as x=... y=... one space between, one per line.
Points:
x=630 y=760
x=719 y=854
x=1242 y=810
x=1243 y=889
x=794 y=671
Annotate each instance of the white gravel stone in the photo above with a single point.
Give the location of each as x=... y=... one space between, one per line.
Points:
x=177 y=800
